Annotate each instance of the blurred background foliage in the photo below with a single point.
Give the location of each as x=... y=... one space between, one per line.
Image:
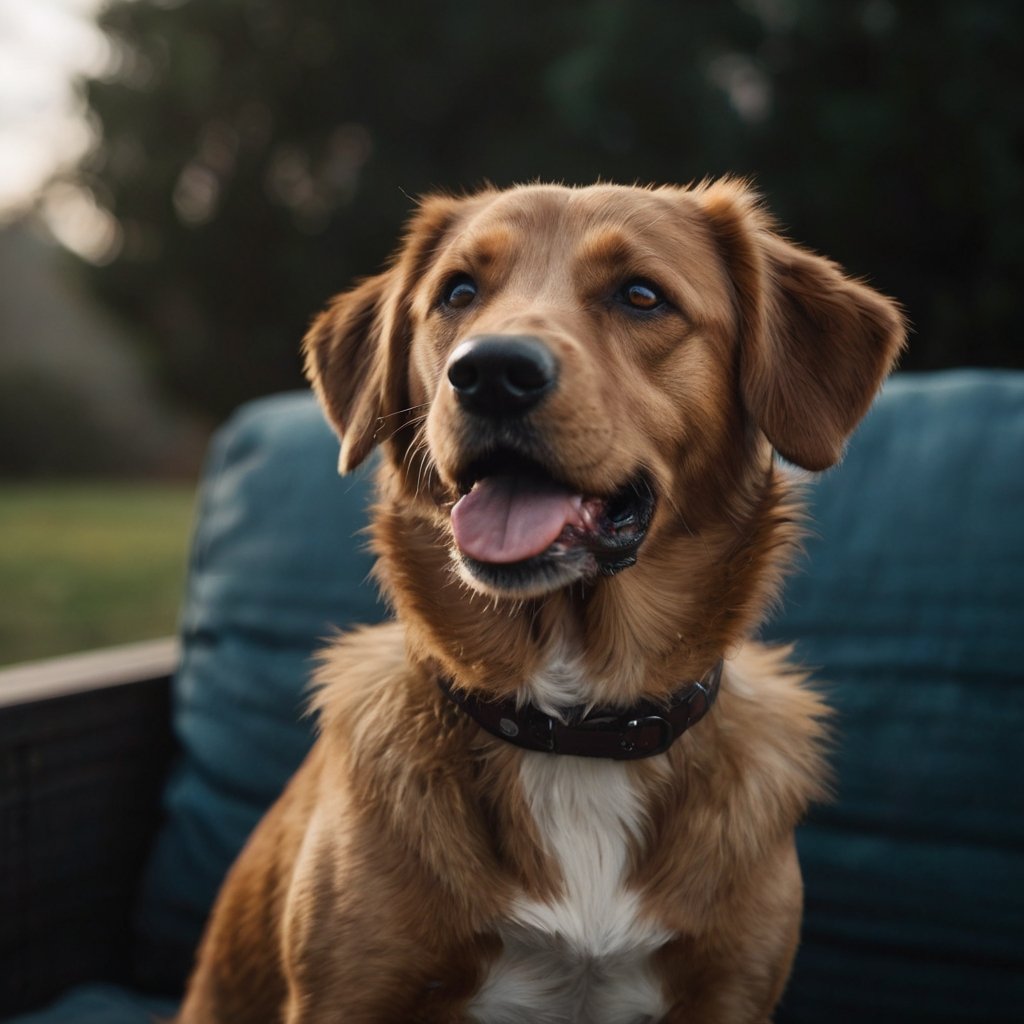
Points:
x=257 y=155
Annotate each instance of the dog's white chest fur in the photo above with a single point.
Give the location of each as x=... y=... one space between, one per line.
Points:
x=583 y=958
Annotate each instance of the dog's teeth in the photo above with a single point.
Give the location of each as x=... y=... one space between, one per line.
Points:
x=590 y=513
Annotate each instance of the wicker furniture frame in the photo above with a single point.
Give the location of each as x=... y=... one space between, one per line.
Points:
x=85 y=746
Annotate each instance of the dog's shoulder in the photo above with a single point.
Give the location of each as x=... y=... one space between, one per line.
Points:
x=767 y=741
x=369 y=696
x=358 y=669
x=773 y=699
x=404 y=755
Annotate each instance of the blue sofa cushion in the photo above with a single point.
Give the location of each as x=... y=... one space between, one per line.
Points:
x=276 y=567
x=911 y=605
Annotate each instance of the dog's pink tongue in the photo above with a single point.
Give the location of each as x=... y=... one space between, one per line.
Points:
x=509 y=518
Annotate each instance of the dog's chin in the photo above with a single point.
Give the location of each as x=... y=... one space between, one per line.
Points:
x=552 y=570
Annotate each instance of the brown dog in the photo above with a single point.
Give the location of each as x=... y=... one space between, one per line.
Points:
x=577 y=392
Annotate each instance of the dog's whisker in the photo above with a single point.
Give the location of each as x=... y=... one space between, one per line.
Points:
x=418 y=450
x=402 y=412
x=412 y=451
x=416 y=422
x=423 y=454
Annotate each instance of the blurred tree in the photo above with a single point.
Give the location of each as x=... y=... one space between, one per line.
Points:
x=259 y=154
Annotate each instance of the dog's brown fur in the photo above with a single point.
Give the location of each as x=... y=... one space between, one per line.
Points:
x=376 y=888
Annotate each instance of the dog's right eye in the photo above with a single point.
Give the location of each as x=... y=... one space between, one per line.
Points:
x=459 y=292
x=641 y=295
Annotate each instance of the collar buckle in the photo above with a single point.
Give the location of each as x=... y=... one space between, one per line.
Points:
x=636 y=736
x=541 y=730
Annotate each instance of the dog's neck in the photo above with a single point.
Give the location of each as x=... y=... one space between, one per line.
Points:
x=560 y=681
x=610 y=733
x=612 y=642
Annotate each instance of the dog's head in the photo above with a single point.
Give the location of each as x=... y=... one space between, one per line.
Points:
x=558 y=373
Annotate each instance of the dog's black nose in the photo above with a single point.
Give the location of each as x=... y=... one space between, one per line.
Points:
x=501 y=374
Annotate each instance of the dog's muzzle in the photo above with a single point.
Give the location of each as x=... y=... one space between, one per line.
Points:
x=521 y=525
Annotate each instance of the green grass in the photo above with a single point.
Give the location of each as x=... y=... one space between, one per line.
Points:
x=87 y=565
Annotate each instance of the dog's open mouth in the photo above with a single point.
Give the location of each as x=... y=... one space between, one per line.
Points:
x=516 y=527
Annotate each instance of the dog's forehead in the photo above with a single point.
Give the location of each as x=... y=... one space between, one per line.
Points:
x=573 y=216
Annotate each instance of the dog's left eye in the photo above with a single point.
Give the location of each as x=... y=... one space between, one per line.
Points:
x=459 y=292
x=641 y=295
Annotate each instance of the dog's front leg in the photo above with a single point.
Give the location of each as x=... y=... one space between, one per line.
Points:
x=377 y=997
x=346 y=956
x=736 y=972
x=727 y=1000
x=363 y=945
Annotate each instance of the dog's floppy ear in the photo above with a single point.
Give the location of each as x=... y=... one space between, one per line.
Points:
x=815 y=344
x=357 y=350
x=349 y=361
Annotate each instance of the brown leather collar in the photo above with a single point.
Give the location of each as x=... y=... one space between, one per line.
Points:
x=622 y=734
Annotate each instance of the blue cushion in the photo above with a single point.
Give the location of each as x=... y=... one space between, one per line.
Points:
x=911 y=606
x=276 y=567
x=101 y=1004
